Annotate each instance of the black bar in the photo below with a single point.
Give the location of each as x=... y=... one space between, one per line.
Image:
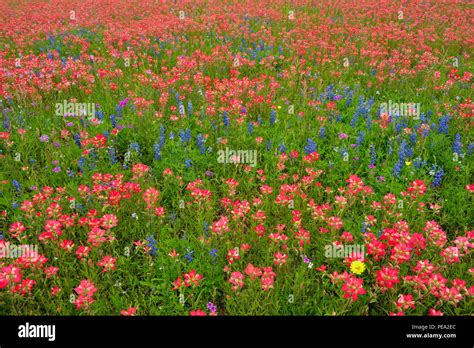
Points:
x=346 y=331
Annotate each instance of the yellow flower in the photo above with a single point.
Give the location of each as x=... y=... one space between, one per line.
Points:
x=357 y=267
x=407 y=163
x=279 y=106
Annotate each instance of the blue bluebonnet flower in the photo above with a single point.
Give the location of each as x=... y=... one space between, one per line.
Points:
x=6 y=121
x=77 y=140
x=16 y=185
x=269 y=145
x=113 y=120
x=250 y=128
x=368 y=107
x=360 y=138
x=353 y=122
x=310 y=147
x=470 y=148
x=112 y=155
x=157 y=151
x=401 y=159
x=346 y=92
x=81 y=164
x=443 y=126
x=368 y=123
x=190 y=107
x=282 y=148
x=418 y=163
x=200 y=144
x=402 y=152
x=425 y=132
x=187 y=163
x=183 y=137
x=99 y=114
x=373 y=155
x=226 y=119
x=363 y=227
x=161 y=140
x=172 y=217
x=181 y=109
x=272 y=117
x=189 y=256
x=397 y=169
x=213 y=253
x=329 y=92
x=152 y=245
x=438 y=177
x=349 y=99
x=70 y=173
x=1 y=235
x=423 y=118
x=361 y=110
x=135 y=147
x=457 y=146
x=400 y=126
x=322 y=132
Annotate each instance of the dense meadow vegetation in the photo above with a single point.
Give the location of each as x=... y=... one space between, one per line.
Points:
x=216 y=157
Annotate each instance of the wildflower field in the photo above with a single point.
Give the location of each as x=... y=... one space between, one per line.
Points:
x=212 y=157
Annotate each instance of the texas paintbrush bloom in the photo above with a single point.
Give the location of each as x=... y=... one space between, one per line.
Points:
x=353 y=288
x=108 y=263
x=192 y=278
x=130 y=311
